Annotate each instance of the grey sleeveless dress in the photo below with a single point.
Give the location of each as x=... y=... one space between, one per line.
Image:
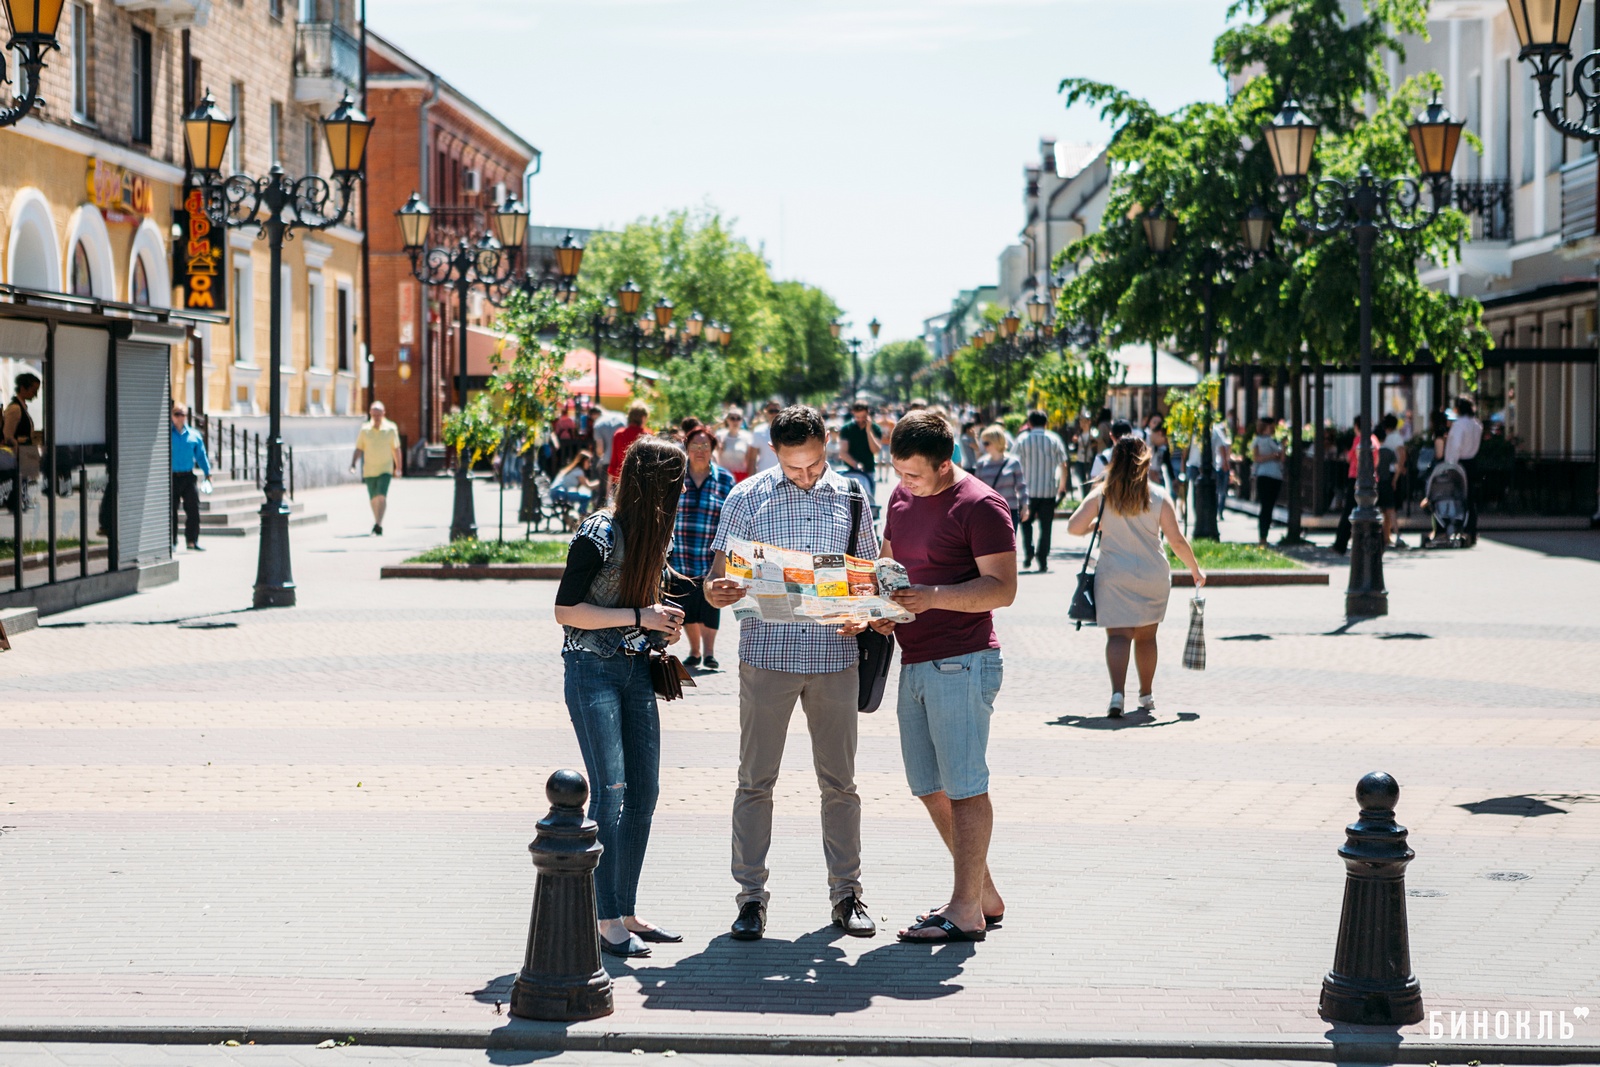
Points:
x=1132 y=579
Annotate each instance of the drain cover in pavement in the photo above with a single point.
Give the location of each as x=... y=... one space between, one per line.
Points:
x=1507 y=876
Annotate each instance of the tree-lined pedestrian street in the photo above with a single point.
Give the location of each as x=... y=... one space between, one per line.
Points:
x=317 y=819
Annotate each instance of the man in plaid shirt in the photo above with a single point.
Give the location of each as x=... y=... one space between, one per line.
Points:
x=705 y=490
x=802 y=505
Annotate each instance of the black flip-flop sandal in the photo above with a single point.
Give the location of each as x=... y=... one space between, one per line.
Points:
x=989 y=921
x=952 y=932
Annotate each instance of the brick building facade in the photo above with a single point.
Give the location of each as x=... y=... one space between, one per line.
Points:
x=432 y=140
x=90 y=184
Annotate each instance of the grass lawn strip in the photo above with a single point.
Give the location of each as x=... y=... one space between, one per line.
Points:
x=1231 y=556
x=478 y=553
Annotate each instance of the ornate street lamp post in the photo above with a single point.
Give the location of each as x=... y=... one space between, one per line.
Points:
x=274 y=206
x=33 y=33
x=1364 y=208
x=490 y=262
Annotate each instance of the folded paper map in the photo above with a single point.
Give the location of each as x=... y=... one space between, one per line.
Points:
x=828 y=589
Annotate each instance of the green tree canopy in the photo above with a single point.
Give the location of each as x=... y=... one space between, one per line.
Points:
x=695 y=260
x=1205 y=166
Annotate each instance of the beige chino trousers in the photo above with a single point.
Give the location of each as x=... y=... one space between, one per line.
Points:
x=766 y=704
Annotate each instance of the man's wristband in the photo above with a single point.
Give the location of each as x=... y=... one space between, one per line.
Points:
x=638 y=620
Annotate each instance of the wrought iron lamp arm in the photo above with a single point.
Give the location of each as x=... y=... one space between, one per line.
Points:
x=240 y=201
x=32 y=63
x=1394 y=205
x=1585 y=86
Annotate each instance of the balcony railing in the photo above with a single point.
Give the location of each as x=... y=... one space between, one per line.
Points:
x=326 y=50
x=1489 y=201
x=1577 y=199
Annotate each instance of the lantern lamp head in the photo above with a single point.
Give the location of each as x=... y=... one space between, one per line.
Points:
x=207 y=129
x=415 y=218
x=1291 y=139
x=347 y=131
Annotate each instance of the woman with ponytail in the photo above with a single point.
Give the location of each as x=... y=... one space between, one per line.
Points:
x=610 y=606
x=1132 y=579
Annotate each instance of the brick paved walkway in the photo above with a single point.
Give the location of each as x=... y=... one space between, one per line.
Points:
x=318 y=816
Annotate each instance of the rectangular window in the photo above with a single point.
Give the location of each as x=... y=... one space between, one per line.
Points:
x=311 y=161
x=275 y=9
x=275 y=131
x=244 y=320
x=142 y=96
x=308 y=10
x=345 y=328
x=317 y=322
x=236 y=142
x=286 y=317
x=1503 y=163
x=82 y=109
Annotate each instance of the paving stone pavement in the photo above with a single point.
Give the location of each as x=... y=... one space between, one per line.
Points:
x=72 y=1055
x=318 y=816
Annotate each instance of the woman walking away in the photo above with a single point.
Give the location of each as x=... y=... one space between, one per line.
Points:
x=610 y=608
x=1132 y=579
x=705 y=489
x=1002 y=472
x=1267 y=453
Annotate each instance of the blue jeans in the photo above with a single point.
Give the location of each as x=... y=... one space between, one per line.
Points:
x=613 y=710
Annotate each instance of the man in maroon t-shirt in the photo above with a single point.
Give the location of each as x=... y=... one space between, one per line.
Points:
x=954 y=536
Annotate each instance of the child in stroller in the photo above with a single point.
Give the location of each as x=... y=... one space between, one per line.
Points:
x=1446 y=502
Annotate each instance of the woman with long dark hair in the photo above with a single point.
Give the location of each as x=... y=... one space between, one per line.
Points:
x=610 y=606
x=1132 y=580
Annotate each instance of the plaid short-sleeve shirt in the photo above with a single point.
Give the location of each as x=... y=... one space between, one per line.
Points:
x=770 y=508
x=698 y=510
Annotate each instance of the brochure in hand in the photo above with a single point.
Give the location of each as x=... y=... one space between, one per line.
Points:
x=785 y=586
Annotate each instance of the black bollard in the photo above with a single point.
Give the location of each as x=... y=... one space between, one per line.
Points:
x=561 y=978
x=1371 y=981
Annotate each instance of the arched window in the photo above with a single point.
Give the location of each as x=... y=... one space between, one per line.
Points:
x=82 y=276
x=139 y=291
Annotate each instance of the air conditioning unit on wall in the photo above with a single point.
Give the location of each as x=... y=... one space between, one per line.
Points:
x=474 y=181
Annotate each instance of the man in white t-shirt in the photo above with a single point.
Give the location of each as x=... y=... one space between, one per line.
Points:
x=763 y=458
x=733 y=445
x=1461 y=447
x=1391 y=473
x=1221 y=462
x=605 y=424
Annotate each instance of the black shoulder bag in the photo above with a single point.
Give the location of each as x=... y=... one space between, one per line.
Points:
x=1083 y=607
x=877 y=650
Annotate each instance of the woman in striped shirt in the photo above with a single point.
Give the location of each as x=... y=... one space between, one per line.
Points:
x=1002 y=472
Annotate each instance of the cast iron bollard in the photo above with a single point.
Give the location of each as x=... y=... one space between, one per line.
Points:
x=561 y=978
x=1371 y=981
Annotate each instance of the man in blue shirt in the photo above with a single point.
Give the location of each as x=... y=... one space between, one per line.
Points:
x=188 y=456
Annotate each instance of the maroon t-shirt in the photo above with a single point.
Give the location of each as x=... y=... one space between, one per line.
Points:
x=939 y=539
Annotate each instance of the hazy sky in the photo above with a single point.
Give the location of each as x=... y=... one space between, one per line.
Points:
x=873 y=147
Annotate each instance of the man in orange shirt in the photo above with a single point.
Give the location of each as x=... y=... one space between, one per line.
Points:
x=625 y=437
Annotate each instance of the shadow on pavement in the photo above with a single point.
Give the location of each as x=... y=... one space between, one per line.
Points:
x=1529 y=805
x=1133 y=720
x=806 y=976
x=1566 y=544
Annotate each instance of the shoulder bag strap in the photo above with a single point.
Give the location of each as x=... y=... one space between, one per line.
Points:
x=1089 y=554
x=856 y=497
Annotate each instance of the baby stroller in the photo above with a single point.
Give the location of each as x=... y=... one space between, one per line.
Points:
x=1446 y=502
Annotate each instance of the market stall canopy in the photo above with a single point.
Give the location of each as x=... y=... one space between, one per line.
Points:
x=484 y=346
x=1130 y=368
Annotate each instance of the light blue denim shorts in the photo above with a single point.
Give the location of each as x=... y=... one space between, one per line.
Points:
x=944 y=711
